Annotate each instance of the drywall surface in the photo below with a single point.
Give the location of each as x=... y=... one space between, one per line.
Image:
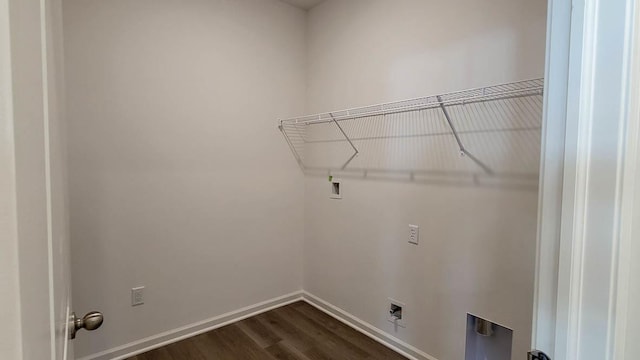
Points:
x=477 y=243
x=179 y=179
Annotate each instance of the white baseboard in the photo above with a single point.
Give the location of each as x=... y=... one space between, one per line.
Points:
x=367 y=329
x=172 y=336
x=185 y=332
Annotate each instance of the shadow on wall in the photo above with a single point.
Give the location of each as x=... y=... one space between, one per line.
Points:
x=496 y=142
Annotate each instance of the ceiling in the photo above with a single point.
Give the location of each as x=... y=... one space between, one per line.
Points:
x=303 y=4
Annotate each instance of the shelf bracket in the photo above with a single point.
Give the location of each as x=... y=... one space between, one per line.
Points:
x=355 y=149
x=463 y=150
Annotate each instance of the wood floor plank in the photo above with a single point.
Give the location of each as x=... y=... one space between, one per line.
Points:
x=326 y=340
x=213 y=348
x=294 y=332
x=185 y=349
x=244 y=347
x=157 y=354
x=375 y=349
x=287 y=331
x=298 y=339
x=283 y=351
x=316 y=353
x=259 y=332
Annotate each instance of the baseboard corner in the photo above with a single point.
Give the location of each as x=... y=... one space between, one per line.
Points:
x=366 y=329
x=168 y=337
x=178 y=334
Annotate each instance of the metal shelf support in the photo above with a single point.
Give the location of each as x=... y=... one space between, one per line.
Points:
x=355 y=149
x=463 y=150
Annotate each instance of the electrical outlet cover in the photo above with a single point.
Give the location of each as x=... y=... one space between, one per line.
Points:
x=414 y=234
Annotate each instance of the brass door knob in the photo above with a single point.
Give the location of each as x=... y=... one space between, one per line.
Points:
x=90 y=322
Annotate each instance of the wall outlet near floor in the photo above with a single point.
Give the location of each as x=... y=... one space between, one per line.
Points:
x=137 y=296
x=396 y=313
x=414 y=234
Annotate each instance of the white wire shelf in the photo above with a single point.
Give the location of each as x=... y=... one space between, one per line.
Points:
x=495 y=130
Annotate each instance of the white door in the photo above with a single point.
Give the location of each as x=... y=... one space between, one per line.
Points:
x=33 y=153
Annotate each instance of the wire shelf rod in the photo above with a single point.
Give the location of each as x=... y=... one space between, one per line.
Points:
x=537 y=83
x=425 y=103
x=410 y=108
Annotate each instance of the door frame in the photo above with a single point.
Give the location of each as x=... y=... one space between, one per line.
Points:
x=627 y=305
x=586 y=177
x=10 y=333
x=31 y=177
x=551 y=174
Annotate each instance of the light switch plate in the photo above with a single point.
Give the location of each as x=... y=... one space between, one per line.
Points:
x=414 y=234
x=137 y=296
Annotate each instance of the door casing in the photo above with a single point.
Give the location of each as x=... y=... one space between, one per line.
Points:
x=32 y=126
x=577 y=313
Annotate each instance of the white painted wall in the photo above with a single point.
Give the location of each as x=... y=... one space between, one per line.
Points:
x=180 y=180
x=477 y=248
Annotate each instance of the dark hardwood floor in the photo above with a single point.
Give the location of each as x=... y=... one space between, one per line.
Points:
x=294 y=332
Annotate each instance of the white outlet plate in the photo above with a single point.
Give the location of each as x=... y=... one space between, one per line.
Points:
x=414 y=234
x=397 y=323
x=137 y=296
x=336 y=189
